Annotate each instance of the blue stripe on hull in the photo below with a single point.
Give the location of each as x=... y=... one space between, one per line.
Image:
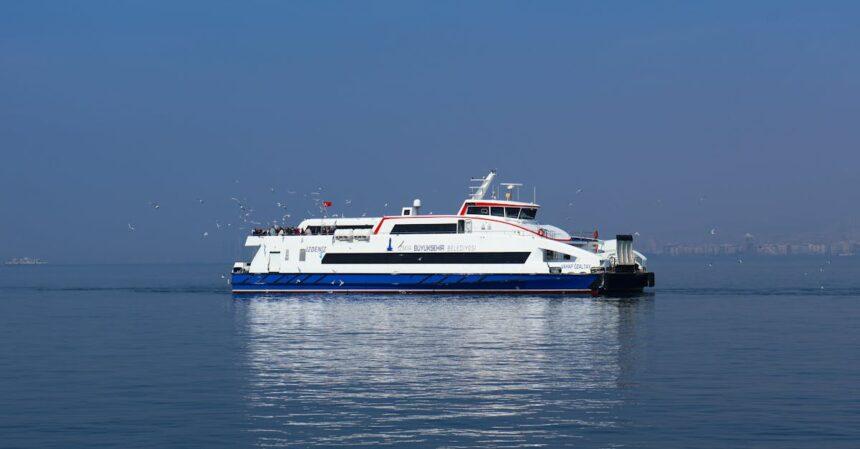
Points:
x=316 y=282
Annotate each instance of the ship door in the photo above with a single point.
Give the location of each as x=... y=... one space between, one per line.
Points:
x=274 y=262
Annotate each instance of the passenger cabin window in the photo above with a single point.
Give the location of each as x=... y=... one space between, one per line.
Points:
x=425 y=228
x=476 y=210
x=497 y=211
x=329 y=230
x=550 y=256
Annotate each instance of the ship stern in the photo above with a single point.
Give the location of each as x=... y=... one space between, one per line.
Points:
x=625 y=279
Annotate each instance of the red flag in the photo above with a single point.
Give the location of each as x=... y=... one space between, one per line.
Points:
x=326 y=203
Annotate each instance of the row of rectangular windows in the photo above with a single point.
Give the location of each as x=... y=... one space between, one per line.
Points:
x=329 y=230
x=523 y=213
x=426 y=258
x=425 y=228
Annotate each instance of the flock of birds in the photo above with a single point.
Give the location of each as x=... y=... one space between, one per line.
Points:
x=246 y=218
x=246 y=214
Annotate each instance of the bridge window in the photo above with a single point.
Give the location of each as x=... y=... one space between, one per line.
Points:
x=476 y=210
x=512 y=212
x=497 y=211
x=528 y=214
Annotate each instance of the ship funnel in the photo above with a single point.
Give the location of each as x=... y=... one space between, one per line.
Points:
x=624 y=249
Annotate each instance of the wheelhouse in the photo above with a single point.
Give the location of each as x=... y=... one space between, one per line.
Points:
x=501 y=209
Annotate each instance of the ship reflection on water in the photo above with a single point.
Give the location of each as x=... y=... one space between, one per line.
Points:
x=438 y=371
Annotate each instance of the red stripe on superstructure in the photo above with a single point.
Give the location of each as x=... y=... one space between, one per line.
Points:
x=521 y=205
x=471 y=217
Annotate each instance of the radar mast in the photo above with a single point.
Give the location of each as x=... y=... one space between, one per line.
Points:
x=481 y=190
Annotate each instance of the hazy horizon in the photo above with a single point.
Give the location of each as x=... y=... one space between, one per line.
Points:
x=673 y=118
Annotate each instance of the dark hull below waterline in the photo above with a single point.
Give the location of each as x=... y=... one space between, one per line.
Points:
x=598 y=283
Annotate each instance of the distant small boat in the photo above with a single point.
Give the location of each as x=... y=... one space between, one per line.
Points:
x=25 y=261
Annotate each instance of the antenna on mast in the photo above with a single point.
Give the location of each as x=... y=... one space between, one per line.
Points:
x=481 y=191
x=510 y=186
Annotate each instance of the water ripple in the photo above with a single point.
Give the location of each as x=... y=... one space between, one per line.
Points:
x=506 y=372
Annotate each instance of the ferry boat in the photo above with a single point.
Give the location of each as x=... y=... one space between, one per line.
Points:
x=25 y=261
x=489 y=245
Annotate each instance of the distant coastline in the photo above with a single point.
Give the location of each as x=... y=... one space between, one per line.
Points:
x=25 y=261
x=837 y=249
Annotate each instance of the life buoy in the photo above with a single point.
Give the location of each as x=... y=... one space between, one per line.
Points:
x=541 y=233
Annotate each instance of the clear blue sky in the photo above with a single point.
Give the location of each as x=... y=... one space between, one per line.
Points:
x=646 y=106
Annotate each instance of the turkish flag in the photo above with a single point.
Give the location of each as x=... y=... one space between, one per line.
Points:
x=326 y=203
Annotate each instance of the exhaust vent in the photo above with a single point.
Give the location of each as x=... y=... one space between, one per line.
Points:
x=624 y=249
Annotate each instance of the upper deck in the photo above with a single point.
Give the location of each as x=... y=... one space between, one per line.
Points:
x=488 y=215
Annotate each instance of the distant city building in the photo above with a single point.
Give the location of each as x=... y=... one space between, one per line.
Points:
x=748 y=246
x=749 y=243
x=845 y=248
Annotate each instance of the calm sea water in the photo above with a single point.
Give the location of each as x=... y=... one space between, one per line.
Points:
x=724 y=354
